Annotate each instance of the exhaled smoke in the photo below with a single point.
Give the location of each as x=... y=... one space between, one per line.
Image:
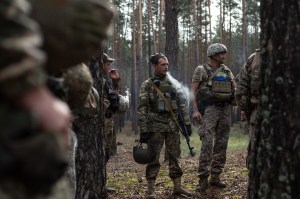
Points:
x=182 y=87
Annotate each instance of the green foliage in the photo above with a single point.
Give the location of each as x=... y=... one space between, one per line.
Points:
x=238 y=140
x=129 y=178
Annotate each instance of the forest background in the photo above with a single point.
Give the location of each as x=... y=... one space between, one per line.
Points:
x=144 y=27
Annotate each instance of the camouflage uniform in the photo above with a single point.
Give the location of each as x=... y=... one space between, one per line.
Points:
x=28 y=156
x=108 y=121
x=26 y=175
x=158 y=120
x=247 y=94
x=214 y=127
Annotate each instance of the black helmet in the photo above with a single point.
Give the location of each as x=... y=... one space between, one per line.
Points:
x=143 y=156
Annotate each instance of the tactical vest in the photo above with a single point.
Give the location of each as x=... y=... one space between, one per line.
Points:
x=218 y=89
x=255 y=77
x=157 y=103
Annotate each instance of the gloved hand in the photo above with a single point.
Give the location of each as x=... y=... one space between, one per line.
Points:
x=144 y=137
x=189 y=129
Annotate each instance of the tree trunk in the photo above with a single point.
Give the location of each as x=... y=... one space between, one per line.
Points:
x=134 y=75
x=276 y=158
x=245 y=30
x=151 y=22
x=221 y=23
x=141 y=69
x=209 y=15
x=172 y=47
x=160 y=26
x=90 y=153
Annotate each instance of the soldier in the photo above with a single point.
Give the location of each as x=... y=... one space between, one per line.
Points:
x=35 y=126
x=247 y=96
x=212 y=87
x=110 y=102
x=158 y=123
x=111 y=80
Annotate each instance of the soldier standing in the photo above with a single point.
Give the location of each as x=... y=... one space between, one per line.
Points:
x=247 y=96
x=157 y=124
x=212 y=87
x=114 y=103
x=110 y=101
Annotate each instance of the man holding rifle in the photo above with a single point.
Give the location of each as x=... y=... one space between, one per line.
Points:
x=160 y=100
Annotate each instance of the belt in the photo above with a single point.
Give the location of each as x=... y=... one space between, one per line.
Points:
x=217 y=104
x=221 y=104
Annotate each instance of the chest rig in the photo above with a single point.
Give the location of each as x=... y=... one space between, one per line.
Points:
x=157 y=103
x=217 y=85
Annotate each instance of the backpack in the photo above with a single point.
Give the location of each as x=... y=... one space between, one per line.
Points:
x=255 y=77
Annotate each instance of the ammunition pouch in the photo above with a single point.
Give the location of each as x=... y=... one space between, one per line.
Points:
x=221 y=89
x=160 y=105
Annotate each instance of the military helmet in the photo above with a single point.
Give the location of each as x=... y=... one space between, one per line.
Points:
x=143 y=156
x=216 y=48
x=77 y=83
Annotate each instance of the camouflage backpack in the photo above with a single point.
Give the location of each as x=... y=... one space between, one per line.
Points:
x=255 y=77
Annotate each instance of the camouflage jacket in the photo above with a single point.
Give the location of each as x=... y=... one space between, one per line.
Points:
x=248 y=84
x=150 y=119
x=201 y=74
x=21 y=58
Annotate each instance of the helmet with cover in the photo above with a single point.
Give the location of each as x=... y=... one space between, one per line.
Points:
x=216 y=48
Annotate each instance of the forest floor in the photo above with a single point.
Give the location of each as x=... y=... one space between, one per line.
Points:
x=128 y=177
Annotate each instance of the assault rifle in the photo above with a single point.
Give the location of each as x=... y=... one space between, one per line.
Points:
x=184 y=132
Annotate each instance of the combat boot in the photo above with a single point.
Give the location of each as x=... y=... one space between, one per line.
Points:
x=203 y=185
x=216 y=182
x=150 y=189
x=178 y=190
x=110 y=189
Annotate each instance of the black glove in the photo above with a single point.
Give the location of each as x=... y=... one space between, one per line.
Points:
x=144 y=137
x=114 y=101
x=189 y=129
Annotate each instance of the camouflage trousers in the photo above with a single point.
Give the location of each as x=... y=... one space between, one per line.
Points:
x=214 y=134
x=108 y=130
x=172 y=142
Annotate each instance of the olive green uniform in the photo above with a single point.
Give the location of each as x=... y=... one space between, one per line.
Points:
x=155 y=117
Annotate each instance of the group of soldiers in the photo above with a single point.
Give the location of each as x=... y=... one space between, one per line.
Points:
x=45 y=87
x=213 y=90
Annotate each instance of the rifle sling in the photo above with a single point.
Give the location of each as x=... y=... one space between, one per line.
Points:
x=212 y=76
x=167 y=103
